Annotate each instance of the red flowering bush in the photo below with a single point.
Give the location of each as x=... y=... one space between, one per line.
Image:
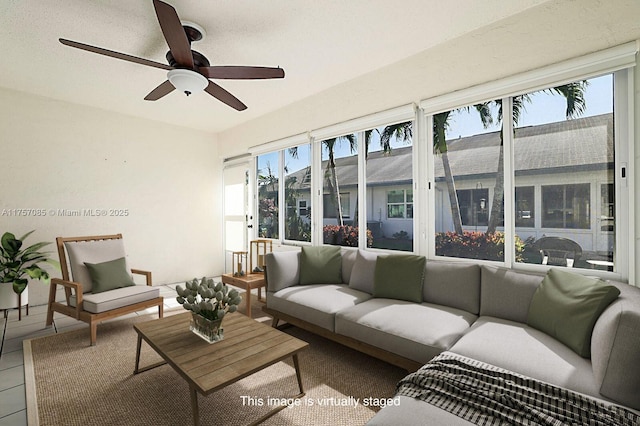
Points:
x=475 y=245
x=346 y=235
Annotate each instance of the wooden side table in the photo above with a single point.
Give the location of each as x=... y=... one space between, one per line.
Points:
x=247 y=282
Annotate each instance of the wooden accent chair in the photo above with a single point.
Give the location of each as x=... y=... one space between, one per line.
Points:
x=95 y=307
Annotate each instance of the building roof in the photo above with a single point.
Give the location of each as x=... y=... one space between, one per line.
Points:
x=561 y=147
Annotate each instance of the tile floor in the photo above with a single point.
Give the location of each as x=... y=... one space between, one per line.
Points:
x=12 y=332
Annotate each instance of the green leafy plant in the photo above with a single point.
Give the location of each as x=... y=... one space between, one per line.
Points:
x=18 y=264
x=345 y=235
x=208 y=299
x=475 y=245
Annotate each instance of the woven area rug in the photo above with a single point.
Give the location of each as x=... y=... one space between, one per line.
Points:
x=70 y=383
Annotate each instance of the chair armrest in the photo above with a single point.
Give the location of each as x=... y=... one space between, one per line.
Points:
x=147 y=275
x=69 y=286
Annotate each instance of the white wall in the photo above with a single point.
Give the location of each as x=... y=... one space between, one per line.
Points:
x=60 y=156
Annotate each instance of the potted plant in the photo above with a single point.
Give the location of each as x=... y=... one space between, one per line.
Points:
x=17 y=265
x=209 y=303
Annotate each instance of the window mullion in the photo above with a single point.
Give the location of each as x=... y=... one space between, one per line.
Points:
x=509 y=189
x=362 y=188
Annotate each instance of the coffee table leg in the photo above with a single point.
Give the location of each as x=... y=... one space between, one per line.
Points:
x=137 y=369
x=298 y=375
x=194 y=406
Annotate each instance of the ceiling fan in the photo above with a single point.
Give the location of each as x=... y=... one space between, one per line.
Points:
x=189 y=71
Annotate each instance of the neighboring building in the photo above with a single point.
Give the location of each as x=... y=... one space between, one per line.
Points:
x=563 y=184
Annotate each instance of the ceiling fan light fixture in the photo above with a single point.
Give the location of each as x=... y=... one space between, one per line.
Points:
x=187 y=81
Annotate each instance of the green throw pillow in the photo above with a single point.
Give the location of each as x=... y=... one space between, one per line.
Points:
x=109 y=275
x=399 y=276
x=566 y=306
x=321 y=265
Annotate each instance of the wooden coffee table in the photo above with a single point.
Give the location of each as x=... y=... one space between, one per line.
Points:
x=247 y=282
x=248 y=346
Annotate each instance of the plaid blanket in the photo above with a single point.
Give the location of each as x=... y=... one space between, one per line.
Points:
x=487 y=395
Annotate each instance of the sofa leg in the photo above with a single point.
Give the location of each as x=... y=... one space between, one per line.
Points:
x=93 y=326
x=274 y=322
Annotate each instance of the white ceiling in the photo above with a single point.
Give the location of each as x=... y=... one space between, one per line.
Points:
x=319 y=43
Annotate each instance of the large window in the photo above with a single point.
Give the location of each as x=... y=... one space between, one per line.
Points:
x=268 y=191
x=389 y=193
x=469 y=182
x=564 y=151
x=297 y=193
x=339 y=185
x=495 y=179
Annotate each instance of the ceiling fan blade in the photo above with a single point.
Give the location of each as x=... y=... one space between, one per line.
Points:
x=160 y=91
x=113 y=54
x=174 y=34
x=241 y=72
x=224 y=96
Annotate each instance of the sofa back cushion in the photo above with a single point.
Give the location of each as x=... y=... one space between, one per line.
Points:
x=363 y=272
x=453 y=284
x=348 y=260
x=507 y=294
x=282 y=269
x=567 y=305
x=615 y=348
x=321 y=265
x=399 y=276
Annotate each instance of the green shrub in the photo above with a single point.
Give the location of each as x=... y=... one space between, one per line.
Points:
x=475 y=245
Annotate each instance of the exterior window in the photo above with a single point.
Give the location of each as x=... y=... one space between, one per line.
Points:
x=329 y=206
x=469 y=154
x=297 y=189
x=302 y=208
x=400 y=204
x=525 y=206
x=339 y=181
x=566 y=206
x=473 y=206
x=268 y=191
x=564 y=154
x=389 y=193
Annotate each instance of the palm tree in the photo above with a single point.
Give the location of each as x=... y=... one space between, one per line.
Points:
x=576 y=106
x=330 y=176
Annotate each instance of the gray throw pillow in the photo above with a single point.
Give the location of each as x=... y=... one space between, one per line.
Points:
x=566 y=306
x=399 y=276
x=321 y=265
x=363 y=272
x=109 y=275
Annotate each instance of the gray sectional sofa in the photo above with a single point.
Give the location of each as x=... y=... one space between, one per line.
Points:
x=476 y=311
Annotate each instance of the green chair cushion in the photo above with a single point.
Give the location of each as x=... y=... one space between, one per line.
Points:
x=109 y=275
x=321 y=265
x=399 y=276
x=566 y=306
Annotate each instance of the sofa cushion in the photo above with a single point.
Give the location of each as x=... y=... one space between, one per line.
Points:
x=320 y=265
x=567 y=305
x=363 y=273
x=453 y=284
x=412 y=330
x=348 y=260
x=523 y=349
x=109 y=275
x=93 y=252
x=505 y=293
x=615 y=348
x=399 y=276
x=112 y=299
x=282 y=269
x=315 y=303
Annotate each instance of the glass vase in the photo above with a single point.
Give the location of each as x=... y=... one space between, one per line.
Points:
x=209 y=330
